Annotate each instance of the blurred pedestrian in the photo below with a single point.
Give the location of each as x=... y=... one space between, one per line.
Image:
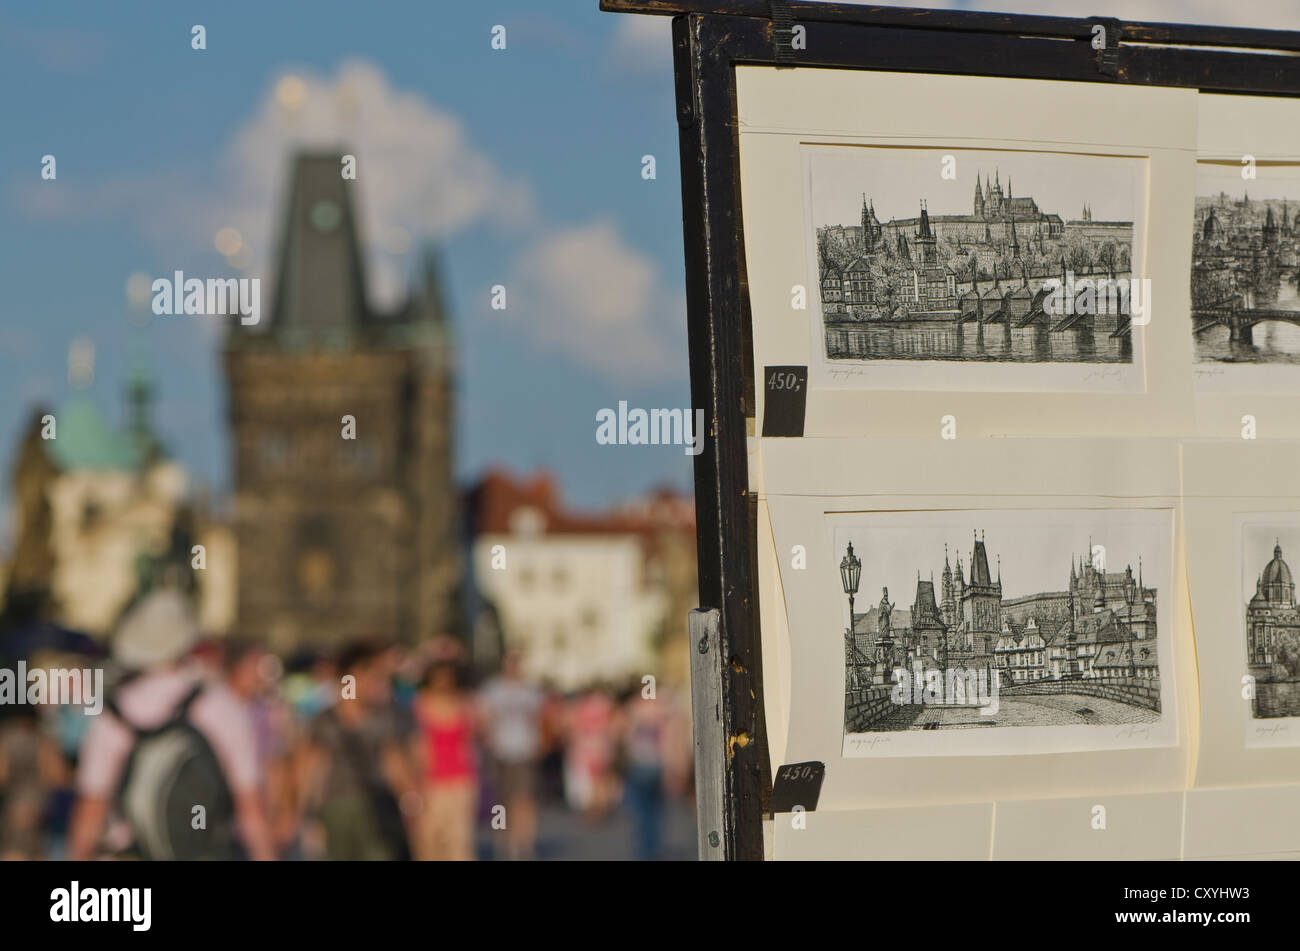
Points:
x=645 y=725
x=589 y=781
x=552 y=725
x=31 y=771
x=169 y=742
x=253 y=674
x=511 y=712
x=446 y=719
x=356 y=765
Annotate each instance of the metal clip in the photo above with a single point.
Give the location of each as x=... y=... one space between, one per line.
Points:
x=1107 y=55
x=782 y=31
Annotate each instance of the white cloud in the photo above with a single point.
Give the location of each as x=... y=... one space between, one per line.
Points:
x=417 y=171
x=642 y=43
x=584 y=291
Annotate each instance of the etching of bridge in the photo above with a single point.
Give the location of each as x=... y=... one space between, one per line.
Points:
x=871 y=709
x=1240 y=321
x=1135 y=691
x=1020 y=308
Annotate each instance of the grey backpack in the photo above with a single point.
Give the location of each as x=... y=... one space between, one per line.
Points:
x=171 y=769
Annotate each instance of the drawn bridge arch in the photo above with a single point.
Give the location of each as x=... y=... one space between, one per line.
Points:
x=1240 y=323
x=1133 y=690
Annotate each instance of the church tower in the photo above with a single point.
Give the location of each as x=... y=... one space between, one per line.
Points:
x=345 y=507
x=871 y=228
x=981 y=605
x=949 y=605
x=993 y=196
x=926 y=244
x=1270 y=230
x=1011 y=219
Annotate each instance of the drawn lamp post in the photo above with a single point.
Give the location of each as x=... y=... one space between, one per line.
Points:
x=850 y=575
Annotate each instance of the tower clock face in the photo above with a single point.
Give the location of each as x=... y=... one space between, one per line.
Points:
x=325 y=216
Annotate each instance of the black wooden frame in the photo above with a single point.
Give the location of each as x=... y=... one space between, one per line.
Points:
x=711 y=37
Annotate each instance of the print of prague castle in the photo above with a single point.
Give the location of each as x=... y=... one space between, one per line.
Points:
x=975 y=285
x=927 y=263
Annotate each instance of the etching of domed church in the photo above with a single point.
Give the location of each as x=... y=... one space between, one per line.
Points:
x=1273 y=632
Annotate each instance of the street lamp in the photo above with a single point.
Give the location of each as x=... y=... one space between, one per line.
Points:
x=850 y=575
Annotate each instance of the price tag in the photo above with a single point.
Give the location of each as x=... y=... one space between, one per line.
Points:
x=786 y=395
x=797 y=784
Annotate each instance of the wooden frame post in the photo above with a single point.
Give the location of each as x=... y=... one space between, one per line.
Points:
x=710 y=203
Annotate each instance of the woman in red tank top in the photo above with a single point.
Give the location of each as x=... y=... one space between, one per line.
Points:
x=450 y=770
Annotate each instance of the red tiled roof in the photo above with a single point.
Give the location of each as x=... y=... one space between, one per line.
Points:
x=498 y=496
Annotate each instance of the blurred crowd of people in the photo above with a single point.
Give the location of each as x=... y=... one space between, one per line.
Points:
x=222 y=750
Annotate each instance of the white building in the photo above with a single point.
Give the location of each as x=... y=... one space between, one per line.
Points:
x=585 y=598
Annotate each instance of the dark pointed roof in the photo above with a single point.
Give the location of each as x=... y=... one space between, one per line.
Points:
x=320 y=295
x=927 y=609
x=979 y=565
x=320 y=282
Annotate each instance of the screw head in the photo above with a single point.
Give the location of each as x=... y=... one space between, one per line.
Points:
x=704 y=645
x=713 y=839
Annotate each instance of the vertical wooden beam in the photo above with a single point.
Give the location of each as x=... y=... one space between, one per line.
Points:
x=711 y=222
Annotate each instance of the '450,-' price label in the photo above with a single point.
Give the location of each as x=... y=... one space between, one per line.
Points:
x=785 y=396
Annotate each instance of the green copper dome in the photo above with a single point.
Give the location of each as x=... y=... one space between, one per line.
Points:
x=84 y=439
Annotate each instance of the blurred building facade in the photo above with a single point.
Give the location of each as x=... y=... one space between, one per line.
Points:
x=588 y=598
x=100 y=512
x=341 y=536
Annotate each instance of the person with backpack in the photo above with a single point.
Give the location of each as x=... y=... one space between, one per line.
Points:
x=173 y=755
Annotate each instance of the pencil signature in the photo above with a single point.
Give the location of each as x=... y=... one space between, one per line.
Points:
x=1133 y=731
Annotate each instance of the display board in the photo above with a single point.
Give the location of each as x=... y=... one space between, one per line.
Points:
x=996 y=321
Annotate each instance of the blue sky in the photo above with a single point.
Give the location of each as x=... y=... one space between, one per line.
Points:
x=524 y=165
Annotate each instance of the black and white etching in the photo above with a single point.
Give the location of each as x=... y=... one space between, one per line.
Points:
x=1272 y=619
x=1021 y=624
x=1246 y=265
x=975 y=255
